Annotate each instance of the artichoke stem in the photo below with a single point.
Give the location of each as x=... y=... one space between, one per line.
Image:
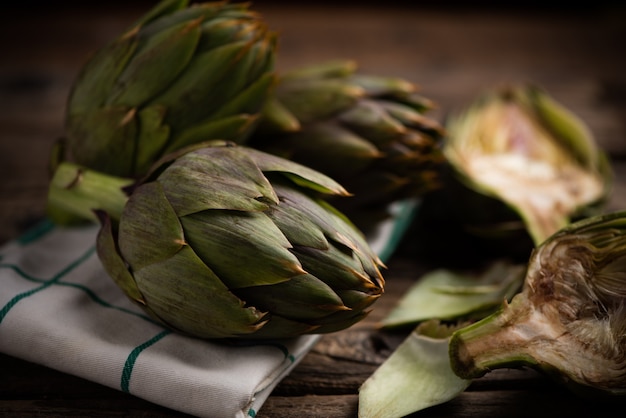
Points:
x=79 y=191
x=501 y=340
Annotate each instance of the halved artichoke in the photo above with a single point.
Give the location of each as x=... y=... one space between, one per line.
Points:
x=569 y=321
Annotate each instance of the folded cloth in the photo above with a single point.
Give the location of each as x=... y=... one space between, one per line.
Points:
x=59 y=309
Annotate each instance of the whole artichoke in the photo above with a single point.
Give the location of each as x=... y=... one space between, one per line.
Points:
x=368 y=132
x=570 y=318
x=519 y=146
x=224 y=241
x=178 y=76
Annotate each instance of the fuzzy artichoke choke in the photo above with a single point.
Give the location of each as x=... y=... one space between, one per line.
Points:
x=178 y=76
x=569 y=321
x=224 y=241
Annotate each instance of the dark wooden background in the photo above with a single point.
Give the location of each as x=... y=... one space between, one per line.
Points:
x=452 y=50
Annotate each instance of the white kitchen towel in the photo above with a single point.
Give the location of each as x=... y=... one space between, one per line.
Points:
x=58 y=308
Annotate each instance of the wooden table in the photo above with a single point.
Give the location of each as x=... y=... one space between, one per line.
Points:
x=452 y=52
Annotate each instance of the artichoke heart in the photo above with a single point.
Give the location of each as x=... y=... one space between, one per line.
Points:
x=520 y=146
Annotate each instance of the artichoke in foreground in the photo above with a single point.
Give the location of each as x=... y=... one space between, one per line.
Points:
x=368 y=132
x=224 y=241
x=518 y=145
x=569 y=321
x=181 y=74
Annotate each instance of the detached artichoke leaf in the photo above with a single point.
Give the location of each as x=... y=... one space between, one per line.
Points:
x=448 y=295
x=416 y=376
x=568 y=321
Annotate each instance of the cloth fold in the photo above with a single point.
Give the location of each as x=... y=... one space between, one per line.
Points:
x=59 y=309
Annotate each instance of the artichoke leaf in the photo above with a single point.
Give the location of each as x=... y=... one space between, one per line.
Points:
x=153 y=137
x=195 y=302
x=163 y=8
x=169 y=51
x=247 y=99
x=340 y=320
x=231 y=242
x=149 y=230
x=277 y=118
x=216 y=178
x=323 y=70
x=566 y=127
x=416 y=376
x=310 y=100
x=233 y=127
x=325 y=263
x=104 y=139
x=297 y=226
x=445 y=294
x=369 y=119
x=303 y=297
x=279 y=327
x=300 y=174
x=313 y=142
x=98 y=76
x=113 y=262
x=197 y=85
x=377 y=86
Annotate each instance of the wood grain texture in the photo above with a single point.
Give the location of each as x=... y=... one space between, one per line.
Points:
x=452 y=54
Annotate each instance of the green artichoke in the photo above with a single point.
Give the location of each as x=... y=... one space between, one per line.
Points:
x=370 y=133
x=519 y=146
x=224 y=241
x=570 y=318
x=178 y=76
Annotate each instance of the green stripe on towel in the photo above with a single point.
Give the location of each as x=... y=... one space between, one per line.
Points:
x=132 y=358
x=17 y=298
